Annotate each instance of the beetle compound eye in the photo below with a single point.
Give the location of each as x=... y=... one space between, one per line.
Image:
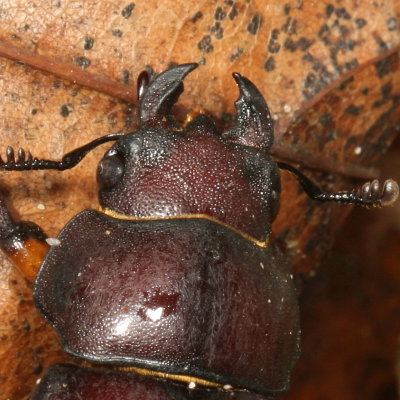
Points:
x=110 y=170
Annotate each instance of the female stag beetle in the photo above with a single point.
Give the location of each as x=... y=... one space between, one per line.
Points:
x=173 y=283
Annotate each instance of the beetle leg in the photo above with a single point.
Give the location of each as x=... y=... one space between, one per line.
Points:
x=370 y=194
x=24 y=160
x=23 y=242
x=254 y=125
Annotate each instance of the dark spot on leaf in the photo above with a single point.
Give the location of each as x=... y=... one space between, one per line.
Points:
x=314 y=83
x=220 y=14
x=217 y=30
x=324 y=29
x=325 y=119
x=290 y=26
x=310 y=80
x=255 y=24
x=197 y=16
x=308 y=57
x=391 y=24
x=286 y=8
x=273 y=46
x=290 y=45
x=125 y=76
x=33 y=111
x=303 y=44
x=205 y=44
x=233 y=13
x=127 y=11
x=343 y=30
x=345 y=83
x=351 y=64
x=64 y=111
x=236 y=54
x=83 y=62
x=385 y=91
x=88 y=43
x=360 y=22
x=381 y=43
x=329 y=10
x=270 y=64
x=116 y=32
x=365 y=91
x=350 y=142
x=352 y=109
x=383 y=67
x=342 y=13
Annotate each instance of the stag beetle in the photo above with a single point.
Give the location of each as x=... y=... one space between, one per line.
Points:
x=173 y=283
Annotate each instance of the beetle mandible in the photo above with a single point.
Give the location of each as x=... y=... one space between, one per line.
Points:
x=174 y=283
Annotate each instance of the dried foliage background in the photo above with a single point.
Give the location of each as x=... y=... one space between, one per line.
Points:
x=328 y=69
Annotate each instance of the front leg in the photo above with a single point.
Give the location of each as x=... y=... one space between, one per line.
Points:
x=23 y=242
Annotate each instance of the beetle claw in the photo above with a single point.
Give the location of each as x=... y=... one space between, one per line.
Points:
x=254 y=126
x=157 y=101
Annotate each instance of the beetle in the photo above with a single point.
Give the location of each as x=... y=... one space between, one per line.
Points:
x=174 y=283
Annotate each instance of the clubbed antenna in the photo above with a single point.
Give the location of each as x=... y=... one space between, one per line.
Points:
x=371 y=194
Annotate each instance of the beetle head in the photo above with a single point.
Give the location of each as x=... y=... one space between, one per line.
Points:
x=165 y=170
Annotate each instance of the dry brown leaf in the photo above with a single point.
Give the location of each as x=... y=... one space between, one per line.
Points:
x=329 y=71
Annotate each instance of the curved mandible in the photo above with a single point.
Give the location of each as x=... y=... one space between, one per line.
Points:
x=157 y=101
x=254 y=126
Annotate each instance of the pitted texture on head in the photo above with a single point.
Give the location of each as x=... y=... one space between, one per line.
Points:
x=164 y=170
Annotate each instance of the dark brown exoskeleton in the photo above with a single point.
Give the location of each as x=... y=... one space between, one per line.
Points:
x=174 y=283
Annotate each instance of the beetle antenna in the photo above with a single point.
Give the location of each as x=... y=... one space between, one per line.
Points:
x=371 y=194
x=24 y=160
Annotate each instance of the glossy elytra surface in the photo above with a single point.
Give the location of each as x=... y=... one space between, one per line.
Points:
x=187 y=297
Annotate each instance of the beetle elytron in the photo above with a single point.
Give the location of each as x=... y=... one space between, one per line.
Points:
x=174 y=284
